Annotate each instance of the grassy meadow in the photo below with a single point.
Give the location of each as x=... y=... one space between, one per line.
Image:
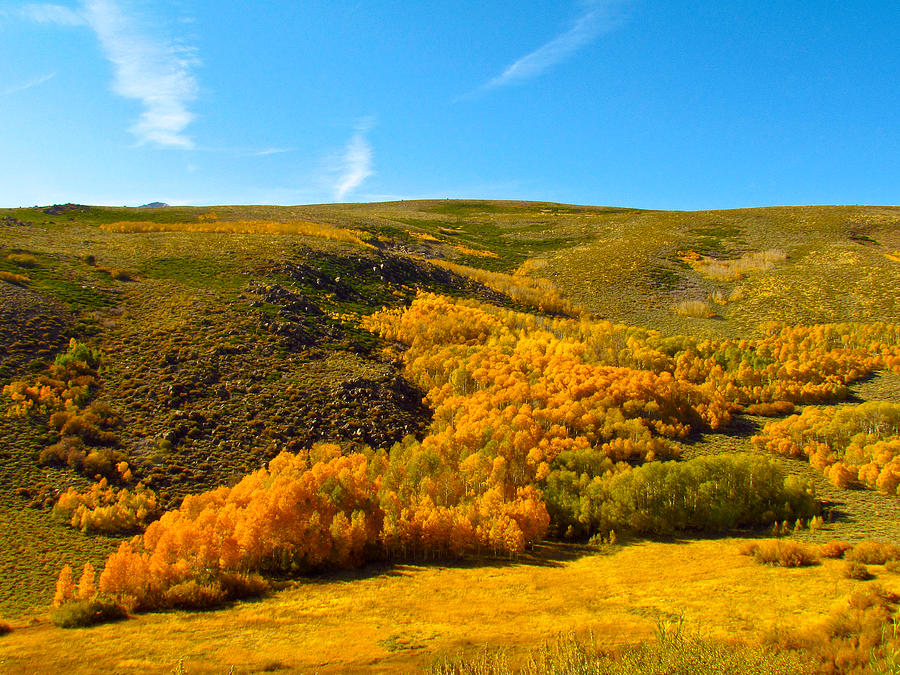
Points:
x=405 y=617
x=229 y=334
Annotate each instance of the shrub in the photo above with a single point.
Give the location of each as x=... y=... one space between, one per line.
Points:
x=873 y=595
x=22 y=259
x=117 y=273
x=695 y=308
x=80 y=613
x=892 y=566
x=79 y=352
x=240 y=586
x=739 y=293
x=874 y=552
x=477 y=252
x=5 y=628
x=68 y=452
x=13 y=278
x=835 y=549
x=857 y=571
x=539 y=293
x=773 y=409
x=193 y=595
x=749 y=548
x=785 y=554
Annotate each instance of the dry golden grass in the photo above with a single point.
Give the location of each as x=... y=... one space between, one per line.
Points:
x=13 y=278
x=730 y=270
x=477 y=252
x=300 y=227
x=695 y=308
x=400 y=618
x=835 y=549
x=721 y=298
x=874 y=552
x=541 y=294
x=424 y=236
x=782 y=553
x=22 y=259
x=530 y=266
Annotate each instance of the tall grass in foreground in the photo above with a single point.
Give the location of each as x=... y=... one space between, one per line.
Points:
x=673 y=653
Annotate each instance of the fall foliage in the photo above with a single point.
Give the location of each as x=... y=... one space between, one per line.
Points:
x=103 y=508
x=540 y=425
x=855 y=446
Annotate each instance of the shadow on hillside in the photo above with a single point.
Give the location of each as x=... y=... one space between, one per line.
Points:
x=855 y=396
x=545 y=554
x=741 y=426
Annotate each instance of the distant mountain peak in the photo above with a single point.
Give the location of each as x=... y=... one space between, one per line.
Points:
x=154 y=205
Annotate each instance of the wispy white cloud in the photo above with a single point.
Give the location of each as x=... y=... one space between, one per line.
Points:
x=26 y=85
x=268 y=151
x=148 y=68
x=356 y=162
x=64 y=16
x=152 y=70
x=598 y=17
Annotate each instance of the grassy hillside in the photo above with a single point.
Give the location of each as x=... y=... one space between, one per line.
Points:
x=231 y=333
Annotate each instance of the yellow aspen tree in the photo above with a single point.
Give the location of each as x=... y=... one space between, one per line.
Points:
x=86 y=586
x=65 y=588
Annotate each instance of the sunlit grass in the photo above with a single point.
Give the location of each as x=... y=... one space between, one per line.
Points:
x=240 y=227
x=477 y=252
x=695 y=308
x=399 y=618
x=733 y=269
x=536 y=293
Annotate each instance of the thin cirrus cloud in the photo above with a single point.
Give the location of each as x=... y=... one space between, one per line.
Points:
x=356 y=162
x=27 y=85
x=598 y=17
x=147 y=68
x=268 y=151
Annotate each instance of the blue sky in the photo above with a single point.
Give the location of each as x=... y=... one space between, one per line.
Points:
x=670 y=104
